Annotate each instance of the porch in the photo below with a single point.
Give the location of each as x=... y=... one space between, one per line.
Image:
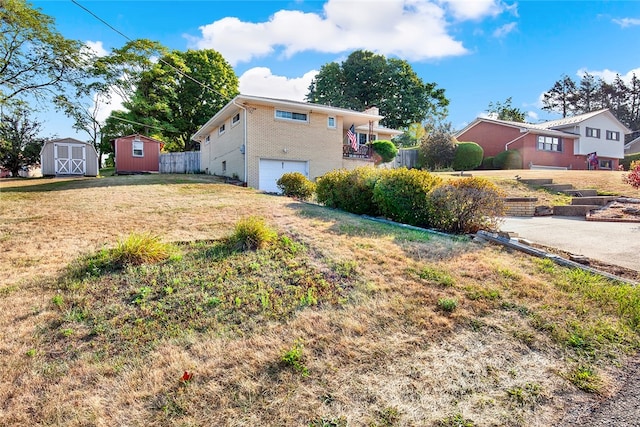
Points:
x=363 y=151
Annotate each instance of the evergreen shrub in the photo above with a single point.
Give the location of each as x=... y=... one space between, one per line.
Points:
x=385 y=149
x=295 y=184
x=468 y=156
x=509 y=159
x=351 y=191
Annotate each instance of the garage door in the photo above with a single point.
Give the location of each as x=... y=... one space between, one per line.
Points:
x=271 y=170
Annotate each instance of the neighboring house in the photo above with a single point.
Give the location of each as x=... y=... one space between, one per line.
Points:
x=257 y=140
x=564 y=143
x=136 y=154
x=633 y=147
x=68 y=156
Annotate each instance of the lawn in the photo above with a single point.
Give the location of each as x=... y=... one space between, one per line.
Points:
x=338 y=321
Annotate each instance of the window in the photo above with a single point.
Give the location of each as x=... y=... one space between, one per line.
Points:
x=224 y=166
x=331 y=122
x=549 y=143
x=221 y=129
x=363 y=138
x=207 y=139
x=612 y=135
x=289 y=115
x=235 y=119
x=594 y=133
x=605 y=164
x=138 y=148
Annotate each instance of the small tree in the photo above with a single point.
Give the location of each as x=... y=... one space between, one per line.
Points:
x=385 y=149
x=19 y=142
x=438 y=148
x=468 y=156
x=633 y=177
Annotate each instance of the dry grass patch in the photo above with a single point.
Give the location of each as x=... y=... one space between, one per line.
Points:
x=336 y=322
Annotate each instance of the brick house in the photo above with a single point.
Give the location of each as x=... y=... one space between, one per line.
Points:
x=564 y=143
x=257 y=140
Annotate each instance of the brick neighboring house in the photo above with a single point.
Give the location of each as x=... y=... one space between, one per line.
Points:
x=257 y=140
x=564 y=143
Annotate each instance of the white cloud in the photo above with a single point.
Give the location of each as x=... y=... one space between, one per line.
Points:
x=474 y=9
x=608 y=75
x=105 y=105
x=504 y=30
x=260 y=81
x=627 y=22
x=532 y=116
x=96 y=48
x=411 y=29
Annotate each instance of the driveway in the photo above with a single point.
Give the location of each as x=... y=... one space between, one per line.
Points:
x=616 y=243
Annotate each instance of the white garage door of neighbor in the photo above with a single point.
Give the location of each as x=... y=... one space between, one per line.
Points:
x=270 y=172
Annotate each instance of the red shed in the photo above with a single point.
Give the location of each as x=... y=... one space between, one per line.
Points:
x=137 y=154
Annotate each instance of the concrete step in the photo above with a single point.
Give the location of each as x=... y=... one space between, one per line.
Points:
x=593 y=200
x=557 y=187
x=587 y=192
x=538 y=181
x=573 y=210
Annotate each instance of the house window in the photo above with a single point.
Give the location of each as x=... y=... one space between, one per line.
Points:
x=224 y=166
x=138 y=148
x=331 y=122
x=613 y=136
x=592 y=132
x=221 y=129
x=207 y=139
x=363 y=138
x=235 y=119
x=549 y=143
x=290 y=115
x=605 y=164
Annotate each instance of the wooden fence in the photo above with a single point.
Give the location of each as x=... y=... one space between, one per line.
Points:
x=407 y=158
x=187 y=162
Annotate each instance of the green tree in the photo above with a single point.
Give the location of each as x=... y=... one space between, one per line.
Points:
x=411 y=136
x=587 y=94
x=561 y=98
x=180 y=93
x=506 y=111
x=19 y=141
x=438 y=148
x=35 y=60
x=366 y=79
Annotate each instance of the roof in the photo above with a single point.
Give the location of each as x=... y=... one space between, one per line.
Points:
x=632 y=142
x=68 y=141
x=523 y=127
x=133 y=135
x=240 y=101
x=574 y=120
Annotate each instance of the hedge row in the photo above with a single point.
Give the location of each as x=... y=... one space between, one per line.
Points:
x=414 y=197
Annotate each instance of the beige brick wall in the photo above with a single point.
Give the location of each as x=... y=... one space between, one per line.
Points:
x=224 y=148
x=281 y=139
x=520 y=206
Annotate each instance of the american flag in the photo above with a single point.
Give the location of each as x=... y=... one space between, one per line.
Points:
x=351 y=134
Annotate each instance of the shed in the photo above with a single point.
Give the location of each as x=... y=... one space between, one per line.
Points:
x=68 y=156
x=136 y=154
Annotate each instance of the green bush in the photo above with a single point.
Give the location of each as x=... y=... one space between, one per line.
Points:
x=487 y=163
x=403 y=195
x=251 y=233
x=626 y=162
x=351 y=191
x=295 y=184
x=468 y=156
x=509 y=159
x=467 y=205
x=139 y=249
x=385 y=149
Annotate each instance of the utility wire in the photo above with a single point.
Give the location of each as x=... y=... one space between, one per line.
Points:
x=182 y=73
x=141 y=124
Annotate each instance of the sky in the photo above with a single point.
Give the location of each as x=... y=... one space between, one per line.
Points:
x=479 y=51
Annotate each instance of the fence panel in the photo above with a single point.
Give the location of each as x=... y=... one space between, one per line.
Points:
x=407 y=158
x=187 y=162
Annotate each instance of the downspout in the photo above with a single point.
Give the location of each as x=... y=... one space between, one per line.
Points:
x=244 y=140
x=506 y=146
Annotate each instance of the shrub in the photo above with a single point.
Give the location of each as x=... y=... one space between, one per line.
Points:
x=295 y=184
x=438 y=148
x=351 y=191
x=633 y=177
x=626 y=162
x=385 y=149
x=468 y=156
x=509 y=159
x=251 y=233
x=139 y=249
x=403 y=195
x=467 y=205
x=487 y=162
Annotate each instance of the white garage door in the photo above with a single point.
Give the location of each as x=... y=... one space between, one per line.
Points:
x=270 y=171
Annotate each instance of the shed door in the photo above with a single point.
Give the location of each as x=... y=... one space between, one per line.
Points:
x=70 y=159
x=271 y=170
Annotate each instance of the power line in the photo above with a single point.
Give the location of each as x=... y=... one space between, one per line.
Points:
x=182 y=73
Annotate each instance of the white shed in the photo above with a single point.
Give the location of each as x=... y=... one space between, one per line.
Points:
x=68 y=156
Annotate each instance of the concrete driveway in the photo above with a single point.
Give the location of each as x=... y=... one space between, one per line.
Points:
x=616 y=243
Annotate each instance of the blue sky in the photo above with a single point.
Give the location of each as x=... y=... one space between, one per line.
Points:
x=479 y=51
